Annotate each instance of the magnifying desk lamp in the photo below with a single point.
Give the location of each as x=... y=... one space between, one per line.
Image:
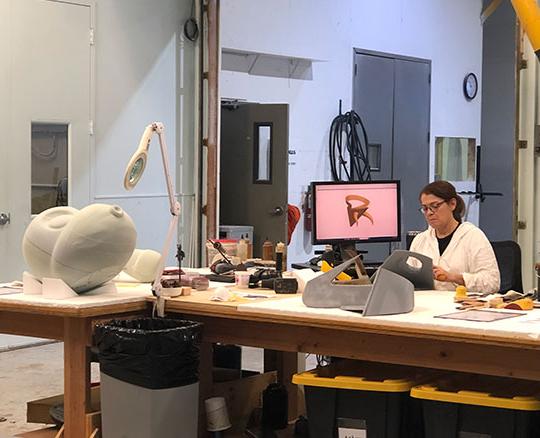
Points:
x=132 y=175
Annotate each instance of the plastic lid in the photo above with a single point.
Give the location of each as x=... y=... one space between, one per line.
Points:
x=482 y=391
x=360 y=376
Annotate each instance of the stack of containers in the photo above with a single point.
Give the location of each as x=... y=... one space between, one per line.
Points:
x=467 y=405
x=353 y=398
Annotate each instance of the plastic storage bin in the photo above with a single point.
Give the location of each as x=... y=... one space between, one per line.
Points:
x=473 y=406
x=229 y=246
x=236 y=231
x=361 y=399
x=149 y=377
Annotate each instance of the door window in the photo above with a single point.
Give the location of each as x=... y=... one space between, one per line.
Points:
x=49 y=144
x=262 y=156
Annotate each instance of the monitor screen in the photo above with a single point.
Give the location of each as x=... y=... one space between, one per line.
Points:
x=354 y=211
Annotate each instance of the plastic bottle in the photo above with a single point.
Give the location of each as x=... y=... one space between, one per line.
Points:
x=242 y=249
x=268 y=250
x=281 y=260
x=275 y=407
x=249 y=247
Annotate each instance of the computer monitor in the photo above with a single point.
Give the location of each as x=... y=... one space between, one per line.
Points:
x=345 y=213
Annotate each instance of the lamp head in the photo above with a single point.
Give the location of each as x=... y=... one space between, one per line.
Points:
x=137 y=163
x=135 y=169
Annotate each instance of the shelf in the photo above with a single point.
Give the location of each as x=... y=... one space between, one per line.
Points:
x=267 y=64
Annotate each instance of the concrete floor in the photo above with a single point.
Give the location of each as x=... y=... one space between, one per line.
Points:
x=29 y=374
x=37 y=372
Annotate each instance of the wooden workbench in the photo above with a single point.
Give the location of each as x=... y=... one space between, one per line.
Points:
x=71 y=323
x=510 y=348
x=276 y=324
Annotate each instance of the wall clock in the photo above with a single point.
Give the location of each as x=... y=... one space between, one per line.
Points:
x=470 y=86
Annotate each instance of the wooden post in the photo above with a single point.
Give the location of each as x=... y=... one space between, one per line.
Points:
x=76 y=376
x=206 y=381
x=213 y=117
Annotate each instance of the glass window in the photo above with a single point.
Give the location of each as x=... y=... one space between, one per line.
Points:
x=49 y=166
x=263 y=153
x=455 y=158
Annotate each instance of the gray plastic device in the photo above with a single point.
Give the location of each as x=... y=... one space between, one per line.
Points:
x=389 y=294
x=419 y=270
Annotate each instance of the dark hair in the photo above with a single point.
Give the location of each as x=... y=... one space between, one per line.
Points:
x=446 y=191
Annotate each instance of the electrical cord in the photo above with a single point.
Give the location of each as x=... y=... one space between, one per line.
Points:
x=48 y=155
x=346 y=141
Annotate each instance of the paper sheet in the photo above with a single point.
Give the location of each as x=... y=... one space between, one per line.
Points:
x=479 y=315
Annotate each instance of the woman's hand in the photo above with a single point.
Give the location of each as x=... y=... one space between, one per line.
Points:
x=440 y=274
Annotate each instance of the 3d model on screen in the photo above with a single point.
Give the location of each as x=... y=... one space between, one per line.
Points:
x=85 y=248
x=356 y=212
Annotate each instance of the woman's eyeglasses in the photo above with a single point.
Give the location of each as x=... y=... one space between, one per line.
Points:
x=433 y=207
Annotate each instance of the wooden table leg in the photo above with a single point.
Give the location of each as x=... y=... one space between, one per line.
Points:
x=76 y=376
x=206 y=380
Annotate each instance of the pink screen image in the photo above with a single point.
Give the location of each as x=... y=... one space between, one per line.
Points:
x=372 y=207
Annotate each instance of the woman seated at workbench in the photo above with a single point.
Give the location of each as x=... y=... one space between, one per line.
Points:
x=461 y=252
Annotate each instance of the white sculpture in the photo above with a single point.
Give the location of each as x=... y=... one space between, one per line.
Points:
x=143 y=264
x=84 y=248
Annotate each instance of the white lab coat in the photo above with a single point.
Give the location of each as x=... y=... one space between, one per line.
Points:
x=468 y=253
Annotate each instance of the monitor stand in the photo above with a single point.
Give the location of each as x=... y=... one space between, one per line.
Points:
x=348 y=251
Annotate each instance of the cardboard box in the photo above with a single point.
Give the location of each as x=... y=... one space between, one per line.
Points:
x=243 y=396
x=37 y=411
x=49 y=432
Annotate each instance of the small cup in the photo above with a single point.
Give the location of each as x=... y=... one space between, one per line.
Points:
x=241 y=279
x=217 y=418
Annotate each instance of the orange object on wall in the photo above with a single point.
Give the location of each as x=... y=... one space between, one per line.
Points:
x=293 y=216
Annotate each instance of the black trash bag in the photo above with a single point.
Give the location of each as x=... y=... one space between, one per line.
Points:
x=154 y=353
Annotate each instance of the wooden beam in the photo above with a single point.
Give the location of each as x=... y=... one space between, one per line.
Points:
x=505 y=360
x=489 y=10
x=29 y=324
x=212 y=128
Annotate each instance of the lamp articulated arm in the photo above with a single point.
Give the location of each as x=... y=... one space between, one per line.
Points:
x=133 y=174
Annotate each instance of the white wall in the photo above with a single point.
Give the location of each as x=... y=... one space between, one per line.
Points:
x=145 y=72
x=446 y=31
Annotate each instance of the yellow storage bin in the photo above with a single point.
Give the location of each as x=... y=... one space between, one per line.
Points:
x=369 y=399
x=461 y=404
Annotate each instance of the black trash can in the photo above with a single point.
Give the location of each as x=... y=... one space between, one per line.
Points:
x=149 y=377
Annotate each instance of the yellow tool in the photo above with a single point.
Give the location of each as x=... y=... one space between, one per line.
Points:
x=325 y=267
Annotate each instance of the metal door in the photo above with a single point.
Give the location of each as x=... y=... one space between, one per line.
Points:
x=254 y=170
x=392 y=95
x=47 y=79
x=410 y=162
x=44 y=77
x=373 y=100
